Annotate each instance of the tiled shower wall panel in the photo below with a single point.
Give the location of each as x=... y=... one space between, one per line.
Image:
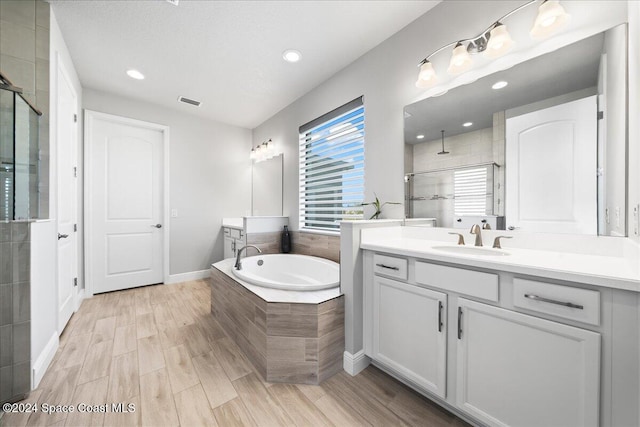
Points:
x=24 y=59
x=15 y=325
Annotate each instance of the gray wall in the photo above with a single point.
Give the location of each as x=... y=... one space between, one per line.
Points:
x=210 y=176
x=386 y=76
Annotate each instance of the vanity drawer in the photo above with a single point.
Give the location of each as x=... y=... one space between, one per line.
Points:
x=582 y=305
x=390 y=266
x=467 y=282
x=227 y=232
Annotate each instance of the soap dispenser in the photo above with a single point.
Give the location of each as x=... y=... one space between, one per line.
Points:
x=285 y=241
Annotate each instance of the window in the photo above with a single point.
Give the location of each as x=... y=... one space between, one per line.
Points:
x=332 y=168
x=470 y=191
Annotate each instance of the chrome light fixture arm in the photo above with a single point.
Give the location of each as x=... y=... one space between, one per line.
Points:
x=460 y=62
x=483 y=35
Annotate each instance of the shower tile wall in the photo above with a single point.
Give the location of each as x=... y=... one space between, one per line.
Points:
x=480 y=146
x=15 y=308
x=24 y=59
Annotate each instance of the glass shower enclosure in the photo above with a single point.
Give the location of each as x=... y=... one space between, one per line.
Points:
x=19 y=154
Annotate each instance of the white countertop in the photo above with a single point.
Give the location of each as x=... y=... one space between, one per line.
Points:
x=279 y=295
x=617 y=267
x=233 y=222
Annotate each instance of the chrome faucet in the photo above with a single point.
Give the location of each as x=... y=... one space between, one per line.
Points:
x=475 y=229
x=238 y=265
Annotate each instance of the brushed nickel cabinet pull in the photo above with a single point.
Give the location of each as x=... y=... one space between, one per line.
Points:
x=459 y=323
x=552 y=301
x=439 y=316
x=389 y=267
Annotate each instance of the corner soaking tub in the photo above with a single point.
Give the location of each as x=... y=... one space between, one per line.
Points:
x=289 y=272
x=258 y=315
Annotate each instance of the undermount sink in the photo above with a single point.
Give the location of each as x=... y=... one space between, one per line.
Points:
x=471 y=250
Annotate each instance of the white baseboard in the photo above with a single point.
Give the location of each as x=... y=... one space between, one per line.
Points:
x=79 y=298
x=43 y=360
x=353 y=364
x=185 y=277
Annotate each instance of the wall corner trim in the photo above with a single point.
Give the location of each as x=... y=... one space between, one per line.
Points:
x=185 y=277
x=353 y=364
x=43 y=360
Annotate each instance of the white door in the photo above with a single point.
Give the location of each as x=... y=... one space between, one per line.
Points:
x=125 y=220
x=409 y=332
x=551 y=175
x=519 y=370
x=66 y=140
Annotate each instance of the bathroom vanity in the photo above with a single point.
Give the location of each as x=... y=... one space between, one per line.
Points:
x=260 y=228
x=527 y=335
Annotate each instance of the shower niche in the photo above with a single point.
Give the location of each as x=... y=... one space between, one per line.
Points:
x=19 y=154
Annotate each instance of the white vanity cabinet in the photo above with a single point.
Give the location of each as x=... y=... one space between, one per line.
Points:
x=409 y=332
x=234 y=239
x=516 y=370
x=465 y=337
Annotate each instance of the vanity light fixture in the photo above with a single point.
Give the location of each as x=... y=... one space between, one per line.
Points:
x=551 y=17
x=264 y=151
x=291 y=55
x=495 y=41
x=460 y=60
x=499 y=85
x=135 y=74
x=500 y=41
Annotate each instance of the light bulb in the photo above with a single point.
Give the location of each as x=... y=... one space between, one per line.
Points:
x=427 y=76
x=551 y=18
x=252 y=155
x=500 y=41
x=460 y=60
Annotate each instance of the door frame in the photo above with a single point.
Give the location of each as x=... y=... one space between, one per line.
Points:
x=89 y=117
x=61 y=73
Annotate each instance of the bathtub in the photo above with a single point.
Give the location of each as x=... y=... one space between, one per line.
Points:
x=258 y=314
x=289 y=272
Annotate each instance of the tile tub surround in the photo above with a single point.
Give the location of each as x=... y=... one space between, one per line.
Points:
x=286 y=342
x=15 y=311
x=320 y=245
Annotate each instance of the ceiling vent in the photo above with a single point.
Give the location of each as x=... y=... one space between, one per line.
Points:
x=189 y=101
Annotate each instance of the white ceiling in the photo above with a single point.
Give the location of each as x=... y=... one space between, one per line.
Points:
x=227 y=54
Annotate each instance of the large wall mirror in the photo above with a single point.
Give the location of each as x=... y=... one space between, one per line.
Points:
x=538 y=147
x=266 y=187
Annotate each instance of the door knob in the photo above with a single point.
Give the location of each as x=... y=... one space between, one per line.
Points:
x=157 y=225
x=62 y=236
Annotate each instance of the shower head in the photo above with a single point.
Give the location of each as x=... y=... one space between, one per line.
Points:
x=443 y=152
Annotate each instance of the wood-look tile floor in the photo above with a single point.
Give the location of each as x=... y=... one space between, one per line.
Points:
x=159 y=349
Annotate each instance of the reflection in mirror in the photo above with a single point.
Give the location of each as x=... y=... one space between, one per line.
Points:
x=266 y=187
x=537 y=147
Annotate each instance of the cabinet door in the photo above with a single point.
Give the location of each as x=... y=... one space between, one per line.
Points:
x=229 y=247
x=409 y=332
x=519 y=370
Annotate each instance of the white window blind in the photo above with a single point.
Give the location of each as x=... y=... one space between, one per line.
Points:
x=470 y=191
x=332 y=168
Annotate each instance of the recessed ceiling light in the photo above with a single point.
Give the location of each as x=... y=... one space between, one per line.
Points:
x=291 y=55
x=420 y=136
x=467 y=124
x=135 y=74
x=499 y=85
